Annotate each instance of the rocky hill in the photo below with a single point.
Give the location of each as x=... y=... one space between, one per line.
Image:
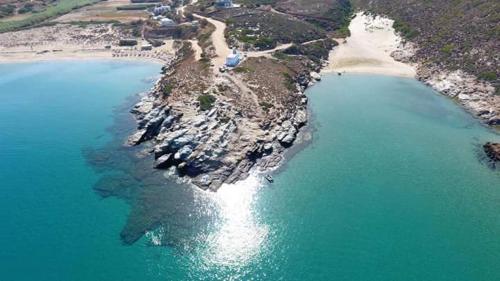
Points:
x=451 y=34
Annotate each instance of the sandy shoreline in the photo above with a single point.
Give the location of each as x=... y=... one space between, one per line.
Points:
x=368 y=49
x=70 y=42
x=23 y=57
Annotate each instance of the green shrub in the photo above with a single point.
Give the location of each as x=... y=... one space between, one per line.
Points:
x=265 y=43
x=242 y=69
x=281 y=55
x=7 y=10
x=488 y=75
x=206 y=101
x=266 y=106
x=289 y=82
x=27 y=8
x=448 y=49
x=405 y=29
x=166 y=89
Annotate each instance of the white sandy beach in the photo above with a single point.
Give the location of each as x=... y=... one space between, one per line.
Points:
x=15 y=56
x=68 y=42
x=368 y=49
x=64 y=50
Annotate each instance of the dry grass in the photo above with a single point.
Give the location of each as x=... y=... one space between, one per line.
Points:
x=104 y=11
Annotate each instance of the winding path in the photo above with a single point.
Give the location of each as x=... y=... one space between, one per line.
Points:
x=268 y=53
x=222 y=50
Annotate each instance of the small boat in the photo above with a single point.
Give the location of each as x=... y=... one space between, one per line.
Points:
x=269 y=178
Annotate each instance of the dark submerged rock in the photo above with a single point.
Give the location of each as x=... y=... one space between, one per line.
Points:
x=492 y=151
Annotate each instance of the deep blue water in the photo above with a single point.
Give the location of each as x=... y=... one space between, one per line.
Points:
x=393 y=186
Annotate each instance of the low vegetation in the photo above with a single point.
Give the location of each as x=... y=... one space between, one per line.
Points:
x=289 y=82
x=166 y=90
x=488 y=75
x=50 y=11
x=458 y=34
x=265 y=105
x=264 y=29
x=206 y=101
x=315 y=51
x=331 y=15
x=404 y=29
x=135 y=7
x=243 y=69
x=7 y=10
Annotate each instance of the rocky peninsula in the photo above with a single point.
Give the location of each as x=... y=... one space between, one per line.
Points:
x=215 y=127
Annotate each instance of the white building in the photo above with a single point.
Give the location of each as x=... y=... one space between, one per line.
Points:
x=233 y=59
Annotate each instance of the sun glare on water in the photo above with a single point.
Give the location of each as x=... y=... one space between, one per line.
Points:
x=238 y=237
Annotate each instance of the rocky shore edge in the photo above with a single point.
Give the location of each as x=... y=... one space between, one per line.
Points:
x=474 y=95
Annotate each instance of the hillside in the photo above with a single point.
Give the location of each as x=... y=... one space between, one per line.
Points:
x=332 y=15
x=329 y=14
x=18 y=14
x=456 y=34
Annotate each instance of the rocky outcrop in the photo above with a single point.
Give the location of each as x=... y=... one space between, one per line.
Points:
x=477 y=97
x=492 y=151
x=215 y=146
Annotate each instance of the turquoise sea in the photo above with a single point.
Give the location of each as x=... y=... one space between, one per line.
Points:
x=392 y=186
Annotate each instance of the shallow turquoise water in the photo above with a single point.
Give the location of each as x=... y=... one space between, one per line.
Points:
x=392 y=187
x=53 y=226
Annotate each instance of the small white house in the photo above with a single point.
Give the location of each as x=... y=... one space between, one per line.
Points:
x=233 y=59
